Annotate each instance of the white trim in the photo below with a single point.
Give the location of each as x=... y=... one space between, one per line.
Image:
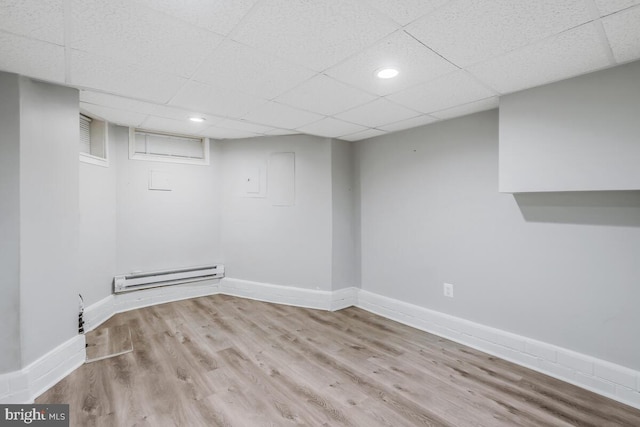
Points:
x=93 y=160
x=602 y=377
x=30 y=382
x=90 y=158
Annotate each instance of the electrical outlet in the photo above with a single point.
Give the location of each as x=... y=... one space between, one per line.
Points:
x=448 y=290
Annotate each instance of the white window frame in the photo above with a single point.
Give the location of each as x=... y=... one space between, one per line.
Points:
x=90 y=158
x=166 y=159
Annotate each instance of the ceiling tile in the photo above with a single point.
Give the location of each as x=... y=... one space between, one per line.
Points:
x=325 y=95
x=243 y=125
x=465 y=109
x=38 y=19
x=469 y=31
x=220 y=16
x=114 y=115
x=331 y=128
x=377 y=113
x=243 y=68
x=183 y=114
x=410 y=123
x=31 y=58
x=119 y=77
x=117 y=102
x=281 y=116
x=221 y=133
x=623 y=32
x=215 y=100
x=569 y=54
x=370 y=133
x=444 y=92
x=415 y=62
x=607 y=7
x=121 y=29
x=281 y=132
x=405 y=11
x=312 y=33
x=183 y=127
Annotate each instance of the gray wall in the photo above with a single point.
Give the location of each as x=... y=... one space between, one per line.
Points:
x=49 y=217
x=431 y=213
x=580 y=134
x=343 y=215
x=9 y=223
x=97 y=255
x=283 y=245
x=158 y=230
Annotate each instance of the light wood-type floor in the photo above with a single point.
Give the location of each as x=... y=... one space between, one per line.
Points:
x=229 y=361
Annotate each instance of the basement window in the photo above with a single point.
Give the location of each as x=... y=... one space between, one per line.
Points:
x=165 y=147
x=93 y=141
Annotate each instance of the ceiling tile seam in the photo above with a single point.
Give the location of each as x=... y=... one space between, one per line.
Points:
x=625 y=9
x=462 y=105
x=29 y=37
x=178 y=18
x=432 y=50
x=604 y=40
x=66 y=34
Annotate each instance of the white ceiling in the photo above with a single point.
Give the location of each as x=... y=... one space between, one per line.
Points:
x=277 y=67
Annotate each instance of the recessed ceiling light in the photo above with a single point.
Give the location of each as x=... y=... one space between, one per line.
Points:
x=387 y=73
x=197 y=119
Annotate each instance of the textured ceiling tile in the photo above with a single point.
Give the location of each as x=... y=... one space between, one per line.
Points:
x=312 y=33
x=405 y=11
x=281 y=132
x=370 y=133
x=465 y=109
x=184 y=114
x=469 y=31
x=410 y=123
x=281 y=116
x=243 y=125
x=569 y=54
x=444 y=92
x=331 y=128
x=183 y=127
x=124 y=30
x=38 y=19
x=239 y=67
x=222 y=133
x=220 y=16
x=325 y=95
x=607 y=7
x=377 y=113
x=623 y=32
x=114 y=115
x=117 y=102
x=415 y=62
x=131 y=80
x=31 y=58
x=215 y=100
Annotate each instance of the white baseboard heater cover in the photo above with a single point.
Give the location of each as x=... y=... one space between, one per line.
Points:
x=152 y=279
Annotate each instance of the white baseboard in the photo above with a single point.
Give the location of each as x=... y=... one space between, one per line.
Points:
x=30 y=382
x=602 y=377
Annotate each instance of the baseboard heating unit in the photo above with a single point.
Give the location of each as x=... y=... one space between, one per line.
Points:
x=152 y=279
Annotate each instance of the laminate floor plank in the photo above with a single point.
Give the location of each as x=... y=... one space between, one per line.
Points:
x=227 y=361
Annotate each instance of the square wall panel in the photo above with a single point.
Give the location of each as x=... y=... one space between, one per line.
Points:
x=32 y=58
x=37 y=19
x=623 y=32
x=569 y=54
x=416 y=64
x=120 y=77
x=220 y=16
x=377 y=113
x=325 y=95
x=470 y=31
x=281 y=116
x=405 y=11
x=312 y=33
x=215 y=100
x=444 y=92
x=245 y=69
x=127 y=31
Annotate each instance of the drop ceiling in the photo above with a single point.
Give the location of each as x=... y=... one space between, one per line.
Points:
x=278 y=67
